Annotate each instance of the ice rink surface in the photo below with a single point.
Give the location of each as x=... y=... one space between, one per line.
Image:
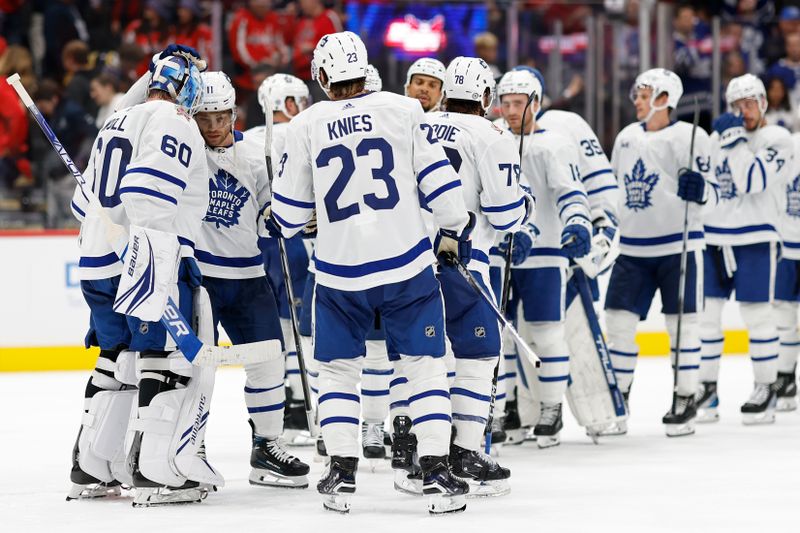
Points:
x=727 y=477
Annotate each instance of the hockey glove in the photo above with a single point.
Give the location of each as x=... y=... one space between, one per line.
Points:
x=189 y=272
x=691 y=186
x=730 y=128
x=180 y=50
x=576 y=238
x=270 y=224
x=452 y=244
x=310 y=229
x=523 y=242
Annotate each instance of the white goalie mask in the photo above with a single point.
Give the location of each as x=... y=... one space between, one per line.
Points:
x=273 y=92
x=342 y=56
x=467 y=78
x=661 y=81
x=747 y=87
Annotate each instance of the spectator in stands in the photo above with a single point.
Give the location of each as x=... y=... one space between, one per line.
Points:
x=692 y=54
x=152 y=33
x=315 y=21
x=12 y=25
x=62 y=23
x=78 y=74
x=192 y=32
x=15 y=168
x=779 y=81
x=792 y=62
x=256 y=38
x=75 y=129
x=106 y=97
x=486 y=48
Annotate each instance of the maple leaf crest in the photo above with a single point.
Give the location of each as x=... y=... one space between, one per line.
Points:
x=639 y=187
x=727 y=188
x=225 y=199
x=793 y=198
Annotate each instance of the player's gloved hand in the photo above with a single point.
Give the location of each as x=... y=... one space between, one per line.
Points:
x=179 y=49
x=523 y=242
x=310 y=229
x=530 y=208
x=451 y=245
x=189 y=272
x=691 y=186
x=730 y=128
x=270 y=224
x=576 y=237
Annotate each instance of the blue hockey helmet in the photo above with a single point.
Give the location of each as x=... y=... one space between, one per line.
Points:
x=180 y=78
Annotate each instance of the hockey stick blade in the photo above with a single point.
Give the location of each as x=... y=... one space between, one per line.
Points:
x=521 y=344
x=176 y=324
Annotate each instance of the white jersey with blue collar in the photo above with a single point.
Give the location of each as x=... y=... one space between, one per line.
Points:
x=278 y=140
x=360 y=163
x=752 y=176
x=647 y=164
x=238 y=191
x=147 y=168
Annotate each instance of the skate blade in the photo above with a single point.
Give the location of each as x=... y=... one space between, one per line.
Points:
x=757 y=419
x=402 y=483
x=488 y=489
x=298 y=438
x=786 y=404
x=152 y=497
x=441 y=504
x=93 y=492
x=337 y=503
x=613 y=430
x=547 y=441
x=679 y=430
x=267 y=478
x=514 y=437
x=707 y=416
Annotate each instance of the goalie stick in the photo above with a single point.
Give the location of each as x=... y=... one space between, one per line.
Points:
x=287 y=281
x=192 y=348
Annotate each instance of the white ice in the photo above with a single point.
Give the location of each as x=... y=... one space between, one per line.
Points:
x=727 y=477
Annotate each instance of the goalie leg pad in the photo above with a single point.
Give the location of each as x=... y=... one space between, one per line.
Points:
x=470 y=396
x=102 y=438
x=125 y=371
x=760 y=321
x=711 y=338
x=689 y=360
x=621 y=327
x=375 y=378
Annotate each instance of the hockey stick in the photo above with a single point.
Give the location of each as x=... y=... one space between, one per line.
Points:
x=173 y=320
x=287 y=280
x=682 y=272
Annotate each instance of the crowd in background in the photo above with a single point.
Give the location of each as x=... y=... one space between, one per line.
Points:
x=76 y=57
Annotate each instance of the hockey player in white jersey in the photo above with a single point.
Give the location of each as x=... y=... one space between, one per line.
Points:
x=549 y=165
x=486 y=160
x=284 y=96
x=359 y=160
x=425 y=82
x=233 y=273
x=753 y=163
x=650 y=159
x=149 y=172
x=787 y=288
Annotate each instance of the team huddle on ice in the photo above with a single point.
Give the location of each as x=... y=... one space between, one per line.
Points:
x=403 y=226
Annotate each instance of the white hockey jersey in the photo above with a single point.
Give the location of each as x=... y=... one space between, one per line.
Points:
x=751 y=177
x=646 y=164
x=550 y=169
x=360 y=163
x=238 y=190
x=593 y=164
x=147 y=168
x=487 y=163
x=790 y=208
x=258 y=133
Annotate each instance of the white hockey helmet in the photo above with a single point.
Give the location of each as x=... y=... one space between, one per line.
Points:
x=218 y=93
x=427 y=66
x=467 y=78
x=374 y=82
x=749 y=87
x=273 y=92
x=660 y=80
x=342 y=55
x=520 y=82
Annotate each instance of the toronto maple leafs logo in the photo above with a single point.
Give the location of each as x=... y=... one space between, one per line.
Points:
x=225 y=199
x=793 y=198
x=727 y=188
x=639 y=187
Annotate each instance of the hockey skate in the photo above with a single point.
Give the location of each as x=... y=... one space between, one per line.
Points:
x=295 y=423
x=274 y=467
x=549 y=425
x=615 y=429
x=372 y=437
x=407 y=474
x=338 y=484
x=786 y=387
x=484 y=475
x=190 y=492
x=760 y=408
x=446 y=491
x=86 y=487
x=679 y=420
x=707 y=403
x=511 y=423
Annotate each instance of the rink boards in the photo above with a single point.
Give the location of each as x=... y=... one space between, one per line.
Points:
x=43 y=317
